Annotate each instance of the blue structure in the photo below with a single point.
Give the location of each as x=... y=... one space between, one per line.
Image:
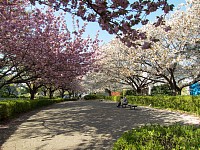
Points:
x=195 y=89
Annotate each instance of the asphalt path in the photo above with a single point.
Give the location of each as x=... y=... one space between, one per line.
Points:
x=81 y=125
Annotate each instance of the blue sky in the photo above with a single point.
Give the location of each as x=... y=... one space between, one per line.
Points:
x=93 y=27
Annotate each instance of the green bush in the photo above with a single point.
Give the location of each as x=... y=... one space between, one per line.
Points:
x=11 y=108
x=163 y=89
x=93 y=96
x=130 y=92
x=184 y=103
x=116 y=98
x=4 y=110
x=157 y=137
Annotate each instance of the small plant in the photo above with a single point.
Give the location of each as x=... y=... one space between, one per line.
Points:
x=157 y=137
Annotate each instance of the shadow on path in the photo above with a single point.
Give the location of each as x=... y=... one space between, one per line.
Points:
x=8 y=127
x=81 y=125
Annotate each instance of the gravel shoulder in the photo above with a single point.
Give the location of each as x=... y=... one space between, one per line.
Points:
x=81 y=125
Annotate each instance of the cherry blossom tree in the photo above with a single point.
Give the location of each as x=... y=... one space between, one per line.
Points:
x=37 y=45
x=72 y=61
x=117 y=62
x=96 y=82
x=15 y=37
x=116 y=16
x=73 y=87
x=170 y=57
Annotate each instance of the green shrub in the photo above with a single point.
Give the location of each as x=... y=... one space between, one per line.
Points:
x=93 y=96
x=11 y=108
x=130 y=92
x=4 y=110
x=184 y=103
x=163 y=89
x=113 y=98
x=157 y=137
x=5 y=95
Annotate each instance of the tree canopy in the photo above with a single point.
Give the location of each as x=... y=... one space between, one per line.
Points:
x=115 y=16
x=36 y=46
x=172 y=59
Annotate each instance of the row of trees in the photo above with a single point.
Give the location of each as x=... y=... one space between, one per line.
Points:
x=172 y=59
x=38 y=50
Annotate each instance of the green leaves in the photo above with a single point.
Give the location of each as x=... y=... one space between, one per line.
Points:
x=93 y=96
x=184 y=103
x=159 y=137
x=11 y=108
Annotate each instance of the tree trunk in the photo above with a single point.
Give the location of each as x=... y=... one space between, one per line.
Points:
x=51 y=93
x=32 y=93
x=139 y=91
x=45 y=93
x=9 y=92
x=107 y=91
x=175 y=90
x=44 y=90
x=70 y=93
x=62 y=93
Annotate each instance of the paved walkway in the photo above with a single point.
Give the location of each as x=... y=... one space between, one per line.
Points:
x=80 y=125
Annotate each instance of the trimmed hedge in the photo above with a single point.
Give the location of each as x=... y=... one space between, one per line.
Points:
x=184 y=103
x=10 y=108
x=93 y=96
x=157 y=137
